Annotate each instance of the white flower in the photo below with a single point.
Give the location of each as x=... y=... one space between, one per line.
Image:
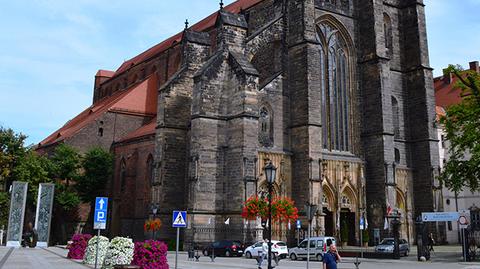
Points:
x=120 y=252
x=89 y=257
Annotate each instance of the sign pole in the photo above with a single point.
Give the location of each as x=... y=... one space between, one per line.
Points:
x=308 y=246
x=96 y=252
x=361 y=242
x=176 y=251
x=465 y=247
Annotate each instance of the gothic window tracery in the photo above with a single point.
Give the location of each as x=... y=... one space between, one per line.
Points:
x=335 y=89
x=265 y=121
x=346 y=201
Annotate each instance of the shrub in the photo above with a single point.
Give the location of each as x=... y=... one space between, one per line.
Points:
x=150 y=254
x=89 y=257
x=119 y=252
x=76 y=250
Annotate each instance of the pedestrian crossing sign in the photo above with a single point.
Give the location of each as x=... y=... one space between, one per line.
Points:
x=179 y=219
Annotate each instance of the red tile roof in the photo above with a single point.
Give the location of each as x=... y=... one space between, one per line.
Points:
x=105 y=73
x=139 y=99
x=446 y=94
x=147 y=129
x=203 y=25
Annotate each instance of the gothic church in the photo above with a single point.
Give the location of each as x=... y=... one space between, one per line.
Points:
x=337 y=94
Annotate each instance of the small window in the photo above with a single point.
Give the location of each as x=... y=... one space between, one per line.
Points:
x=320 y=244
x=449 y=224
x=329 y=242
x=100 y=131
x=447 y=201
x=397 y=156
x=346 y=200
x=123 y=172
x=303 y=244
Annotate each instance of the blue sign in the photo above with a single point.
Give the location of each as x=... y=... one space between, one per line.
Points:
x=100 y=215
x=440 y=216
x=299 y=224
x=362 y=223
x=179 y=219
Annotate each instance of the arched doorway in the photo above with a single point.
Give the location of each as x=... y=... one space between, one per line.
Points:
x=328 y=201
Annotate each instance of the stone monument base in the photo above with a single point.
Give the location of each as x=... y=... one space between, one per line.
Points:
x=42 y=245
x=14 y=244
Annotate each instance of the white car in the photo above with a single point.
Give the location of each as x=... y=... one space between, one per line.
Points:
x=278 y=247
x=318 y=246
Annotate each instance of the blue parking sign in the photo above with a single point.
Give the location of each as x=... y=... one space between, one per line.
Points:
x=100 y=214
x=299 y=224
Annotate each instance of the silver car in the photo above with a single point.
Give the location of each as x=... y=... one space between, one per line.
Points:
x=318 y=246
x=387 y=245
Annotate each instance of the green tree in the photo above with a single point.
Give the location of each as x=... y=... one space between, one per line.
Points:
x=67 y=161
x=97 y=169
x=462 y=127
x=12 y=149
x=33 y=169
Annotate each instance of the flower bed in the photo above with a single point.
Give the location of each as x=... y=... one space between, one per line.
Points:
x=150 y=255
x=119 y=252
x=89 y=257
x=76 y=250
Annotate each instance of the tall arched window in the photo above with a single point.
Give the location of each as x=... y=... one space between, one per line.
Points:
x=265 y=121
x=395 y=117
x=335 y=89
x=387 y=28
x=123 y=173
x=150 y=169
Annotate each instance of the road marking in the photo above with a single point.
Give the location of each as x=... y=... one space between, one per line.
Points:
x=5 y=258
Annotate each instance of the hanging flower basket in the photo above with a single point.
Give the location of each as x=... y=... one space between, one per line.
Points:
x=255 y=207
x=152 y=225
x=283 y=209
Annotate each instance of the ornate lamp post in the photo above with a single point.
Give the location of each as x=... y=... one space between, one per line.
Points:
x=270 y=173
x=154 y=208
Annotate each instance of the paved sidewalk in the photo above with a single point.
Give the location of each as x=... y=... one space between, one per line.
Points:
x=23 y=258
x=55 y=258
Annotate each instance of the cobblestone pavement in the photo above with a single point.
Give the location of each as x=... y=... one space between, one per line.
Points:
x=54 y=257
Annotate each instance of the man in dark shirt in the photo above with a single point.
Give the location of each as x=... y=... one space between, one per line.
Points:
x=331 y=258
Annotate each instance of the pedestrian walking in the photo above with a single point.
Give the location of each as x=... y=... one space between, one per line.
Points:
x=331 y=258
x=263 y=254
x=431 y=242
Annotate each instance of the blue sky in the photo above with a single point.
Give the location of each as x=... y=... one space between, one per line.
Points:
x=50 y=50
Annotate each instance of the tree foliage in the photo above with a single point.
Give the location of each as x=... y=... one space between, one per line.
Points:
x=98 y=168
x=12 y=149
x=33 y=169
x=67 y=163
x=462 y=127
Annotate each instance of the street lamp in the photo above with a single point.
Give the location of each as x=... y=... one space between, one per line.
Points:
x=154 y=208
x=270 y=173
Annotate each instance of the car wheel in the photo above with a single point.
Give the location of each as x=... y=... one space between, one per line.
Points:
x=248 y=255
x=319 y=257
x=293 y=257
x=227 y=253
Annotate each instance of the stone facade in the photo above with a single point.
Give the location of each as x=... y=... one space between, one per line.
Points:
x=256 y=95
x=338 y=94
